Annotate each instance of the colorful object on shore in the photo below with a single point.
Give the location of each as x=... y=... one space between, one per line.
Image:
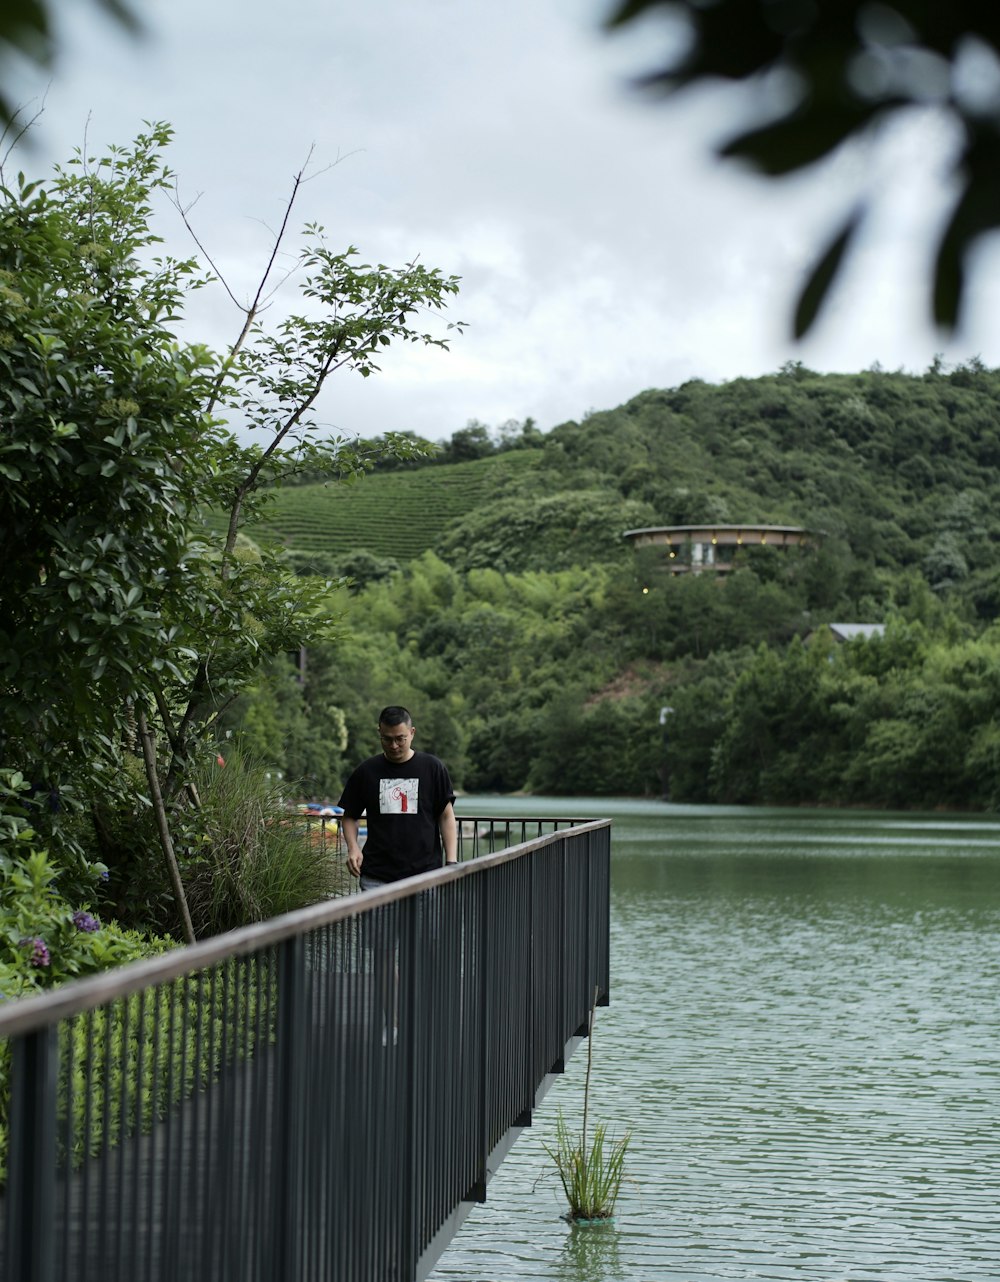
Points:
x=328 y=829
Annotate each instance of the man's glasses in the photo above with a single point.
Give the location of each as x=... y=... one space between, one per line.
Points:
x=397 y=739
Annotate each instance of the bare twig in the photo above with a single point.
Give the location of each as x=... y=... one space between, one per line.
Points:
x=162 y=825
x=21 y=131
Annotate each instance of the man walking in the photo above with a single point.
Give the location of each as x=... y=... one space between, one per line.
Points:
x=409 y=802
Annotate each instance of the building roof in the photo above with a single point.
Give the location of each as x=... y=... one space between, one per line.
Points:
x=848 y=631
x=719 y=532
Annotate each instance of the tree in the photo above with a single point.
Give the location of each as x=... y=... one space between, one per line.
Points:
x=470 y=442
x=837 y=70
x=121 y=625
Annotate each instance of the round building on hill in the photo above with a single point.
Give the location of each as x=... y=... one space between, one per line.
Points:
x=692 y=549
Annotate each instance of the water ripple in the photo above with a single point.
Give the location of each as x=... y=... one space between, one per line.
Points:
x=805 y=1049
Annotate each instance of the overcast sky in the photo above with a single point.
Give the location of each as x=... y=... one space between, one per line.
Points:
x=602 y=250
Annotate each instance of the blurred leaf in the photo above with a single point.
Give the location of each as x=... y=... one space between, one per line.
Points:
x=976 y=213
x=855 y=63
x=822 y=276
x=798 y=140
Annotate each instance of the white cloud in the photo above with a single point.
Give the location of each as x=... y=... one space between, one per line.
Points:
x=602 y=251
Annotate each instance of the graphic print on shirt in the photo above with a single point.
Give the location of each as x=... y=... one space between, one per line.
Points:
x=398 y=796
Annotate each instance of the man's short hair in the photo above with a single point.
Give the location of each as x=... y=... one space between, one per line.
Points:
x=394 y=715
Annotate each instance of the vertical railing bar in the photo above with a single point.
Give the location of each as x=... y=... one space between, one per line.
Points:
x=267 y=1095
x=68 y=1069
x=528 y=998
x=166 y=1261
x=123 y=1190
x=214 y=1175
x=289 y=1093
x=192 y=1109
x=254 y=981
x=347 y=934
x=563 y=914
x=333 y=998
x=104 y=1148
x=31 y=1194
x=238 y=1068
x=319 y=1016
x=419 y=1089
x=130 y=1263
x=154 y=1129
x=182 y=1119
x=229 y=1069
x=88 y=1122
x=188 y=1110
x=478 y=1191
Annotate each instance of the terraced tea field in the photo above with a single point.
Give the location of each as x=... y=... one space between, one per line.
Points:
x=390 y=514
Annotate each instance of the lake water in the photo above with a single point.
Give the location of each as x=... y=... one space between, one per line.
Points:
x=804 y=1039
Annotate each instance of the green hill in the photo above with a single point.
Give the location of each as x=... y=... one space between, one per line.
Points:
x=540 y=650
x=396 y=514
x=899 y=470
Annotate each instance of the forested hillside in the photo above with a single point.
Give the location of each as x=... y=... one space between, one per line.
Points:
x=396 y=514
x=537 y=648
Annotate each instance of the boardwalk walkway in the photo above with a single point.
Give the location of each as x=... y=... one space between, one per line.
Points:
x=320 y=1098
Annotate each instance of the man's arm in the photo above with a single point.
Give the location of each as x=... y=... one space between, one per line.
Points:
x=448 y=826
x=349 y=827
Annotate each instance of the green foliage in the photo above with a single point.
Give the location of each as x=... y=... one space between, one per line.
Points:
x=552 y=679
x=606 y=748
x=591 y=1178
x=44 y=940
x=256 y=858
x=769 y=745
x=118 y=610
x=396 y=515
x=892 y=471
x=105 y=429
x=899 y=720
x=543 y=533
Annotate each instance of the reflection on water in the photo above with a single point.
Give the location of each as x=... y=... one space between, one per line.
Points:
x=803 y=1037
x=591 y=1251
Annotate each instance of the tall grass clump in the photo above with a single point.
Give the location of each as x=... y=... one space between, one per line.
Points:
x=590 y=1167
x=256 y=858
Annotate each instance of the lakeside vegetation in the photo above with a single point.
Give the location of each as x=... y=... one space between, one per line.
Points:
x=169 y=590
x=537 y=649
x=127 y=626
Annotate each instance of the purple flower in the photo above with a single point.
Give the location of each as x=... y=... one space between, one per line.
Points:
x=105 y=875
x=84 y=921
x=39 y=953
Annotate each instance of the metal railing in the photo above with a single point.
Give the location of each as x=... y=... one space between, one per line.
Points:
x=321 y=1096
x=477 y=834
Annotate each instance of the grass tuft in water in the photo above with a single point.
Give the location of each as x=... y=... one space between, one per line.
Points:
x=590 y=1167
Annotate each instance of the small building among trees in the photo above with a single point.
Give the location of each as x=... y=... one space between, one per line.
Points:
x=693 y=549
x=842 y=632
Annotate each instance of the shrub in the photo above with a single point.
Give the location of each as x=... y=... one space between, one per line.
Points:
x=45 y=940
x=255 y=858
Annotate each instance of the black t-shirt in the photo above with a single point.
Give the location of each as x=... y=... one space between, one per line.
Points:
x=403 y=802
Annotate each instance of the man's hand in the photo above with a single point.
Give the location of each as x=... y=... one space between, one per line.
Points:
x=354 y=854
